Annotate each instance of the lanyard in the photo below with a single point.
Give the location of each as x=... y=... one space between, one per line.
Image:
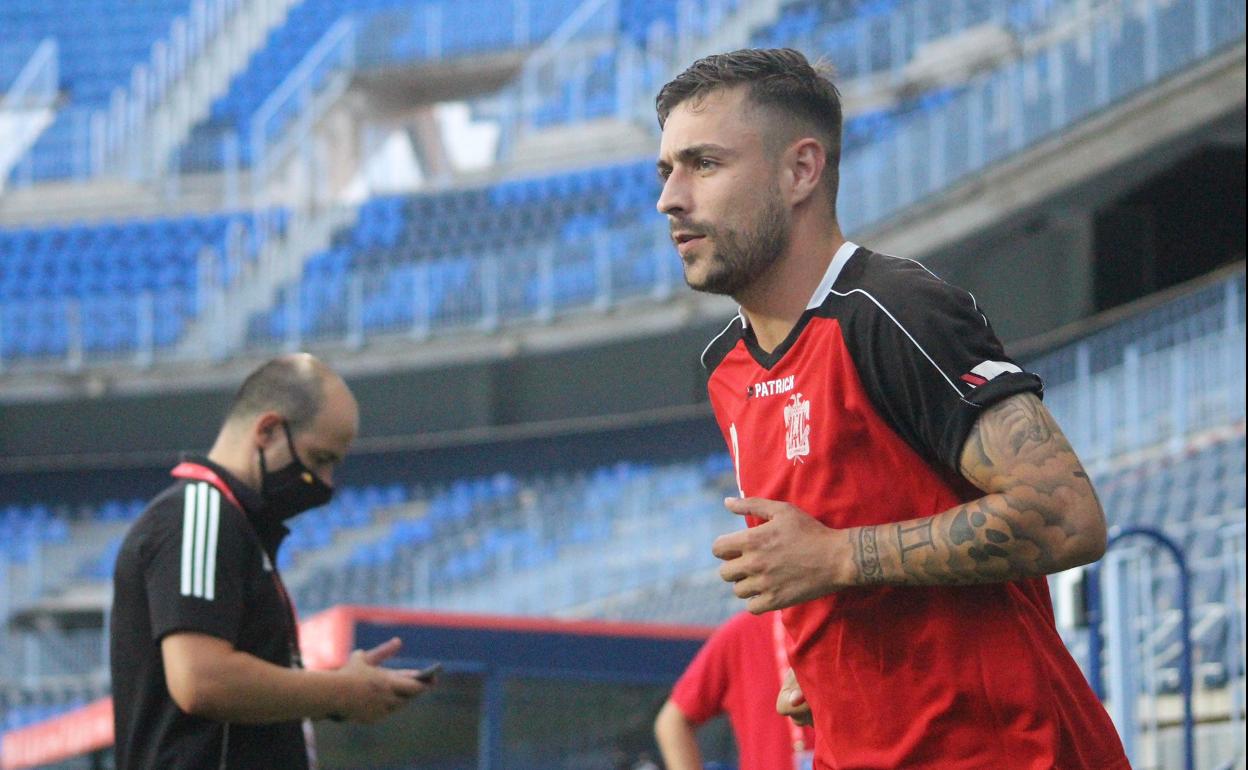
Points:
x=796 y=735
x=197 y=472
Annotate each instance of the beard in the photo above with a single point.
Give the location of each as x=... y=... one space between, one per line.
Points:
x=742 y=255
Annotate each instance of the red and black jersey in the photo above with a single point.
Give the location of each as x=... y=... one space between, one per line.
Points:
x=858 y=418
x=196 y=561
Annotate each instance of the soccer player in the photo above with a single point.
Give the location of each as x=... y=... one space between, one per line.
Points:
x=905 y=487
x=739 y=672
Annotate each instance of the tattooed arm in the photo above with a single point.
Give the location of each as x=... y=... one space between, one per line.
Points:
x=1039 y=515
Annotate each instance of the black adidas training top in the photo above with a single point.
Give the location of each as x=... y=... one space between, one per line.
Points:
x=196 y=561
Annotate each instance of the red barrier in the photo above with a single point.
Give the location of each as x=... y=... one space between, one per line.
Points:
x=73 y=734
x=327 y=638
x=326 y=642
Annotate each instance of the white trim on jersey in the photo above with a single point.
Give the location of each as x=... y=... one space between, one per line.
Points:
x=210 y=564
x=201 y=519
x=188 y=537
x=225 y=747
x=709 y=345
x=992 y=369
x=974 y=302
x=910 y=337
x=833 y=272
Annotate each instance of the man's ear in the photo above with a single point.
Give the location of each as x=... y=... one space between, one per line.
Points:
x=805 y=160
x=266 y=430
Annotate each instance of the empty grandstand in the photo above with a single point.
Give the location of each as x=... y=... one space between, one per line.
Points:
x=454 y=203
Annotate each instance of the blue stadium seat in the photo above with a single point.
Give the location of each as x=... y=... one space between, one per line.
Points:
x=103 y=268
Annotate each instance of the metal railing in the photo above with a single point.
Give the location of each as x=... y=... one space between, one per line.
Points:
x=1077 y=72
x=439 y=31
x=1120 y=616
x=28 y=105
x=1145 y=628
x=1065 y=62
x=283 y=124
x=145 y=119
x=1154 y=378
x=479 y=293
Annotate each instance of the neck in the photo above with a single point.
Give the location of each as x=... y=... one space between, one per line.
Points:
x=774 y=303
x=232 y=455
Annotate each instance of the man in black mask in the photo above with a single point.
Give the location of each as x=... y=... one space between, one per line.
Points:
x=204 y=642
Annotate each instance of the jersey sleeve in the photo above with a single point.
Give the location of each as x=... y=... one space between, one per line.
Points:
x=195 y=565
x=702 y=689
x=929 y=359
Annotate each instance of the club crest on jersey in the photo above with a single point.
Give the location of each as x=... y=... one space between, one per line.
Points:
x=796 y=428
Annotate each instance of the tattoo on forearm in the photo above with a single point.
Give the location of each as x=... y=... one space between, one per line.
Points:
x=914 y=538
x=869 y=557
x=1024 y=525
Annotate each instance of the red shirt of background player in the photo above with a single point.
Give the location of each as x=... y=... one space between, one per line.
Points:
x=736 y=673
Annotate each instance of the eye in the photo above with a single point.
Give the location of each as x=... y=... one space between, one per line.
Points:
x=664 y=173
x=705 y=164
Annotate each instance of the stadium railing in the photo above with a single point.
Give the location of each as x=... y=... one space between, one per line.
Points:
x=1082 y=69
x=283 y=122
x=1142 y=621
x=1157 y=377
x=569 y=543
x=29 y=105
x=116 y=125
x=390 y=34
x=904 y=157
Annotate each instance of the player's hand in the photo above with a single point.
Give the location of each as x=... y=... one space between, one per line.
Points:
x=371 y=692
x=792 y=703
x=788 y=559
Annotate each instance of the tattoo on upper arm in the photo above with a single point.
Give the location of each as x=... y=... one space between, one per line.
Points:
x=1018 y=456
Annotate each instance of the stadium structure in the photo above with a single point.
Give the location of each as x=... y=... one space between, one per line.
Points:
x=453 y=203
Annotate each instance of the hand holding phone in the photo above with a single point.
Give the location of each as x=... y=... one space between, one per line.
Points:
x=427 y=675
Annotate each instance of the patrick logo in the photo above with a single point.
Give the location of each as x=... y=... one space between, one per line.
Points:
x=796 y=428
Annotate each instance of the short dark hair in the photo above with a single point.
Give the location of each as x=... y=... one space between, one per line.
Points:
x=779 y=79
x=293 y=386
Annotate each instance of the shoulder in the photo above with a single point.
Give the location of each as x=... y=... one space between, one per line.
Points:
x=900 y=289
x=743 y=629
x=723 y=343
x=182 y=506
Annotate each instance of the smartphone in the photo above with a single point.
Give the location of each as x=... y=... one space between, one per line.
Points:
x=427 y=675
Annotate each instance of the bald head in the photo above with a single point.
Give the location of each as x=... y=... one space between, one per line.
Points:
x=294 y=386
x=305 y=394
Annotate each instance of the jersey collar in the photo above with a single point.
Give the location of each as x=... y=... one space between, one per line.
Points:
x=239 y=493
x=202 y=469
x=833 y=272
x=835 y=267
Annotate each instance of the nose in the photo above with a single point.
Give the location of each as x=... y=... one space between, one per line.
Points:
x=326 y=475
x=674 y=198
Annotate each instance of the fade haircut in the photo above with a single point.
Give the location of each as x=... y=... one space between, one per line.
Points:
x=292 y=386
x=779 y=80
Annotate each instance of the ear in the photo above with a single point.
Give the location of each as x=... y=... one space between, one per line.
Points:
x=266 y=430
x=804 y=163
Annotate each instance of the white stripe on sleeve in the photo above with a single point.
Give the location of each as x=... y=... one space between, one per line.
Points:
x=210 y=563
x=188 y=537
x=201 y=516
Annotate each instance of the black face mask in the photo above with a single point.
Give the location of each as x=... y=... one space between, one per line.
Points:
x=294 y=489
